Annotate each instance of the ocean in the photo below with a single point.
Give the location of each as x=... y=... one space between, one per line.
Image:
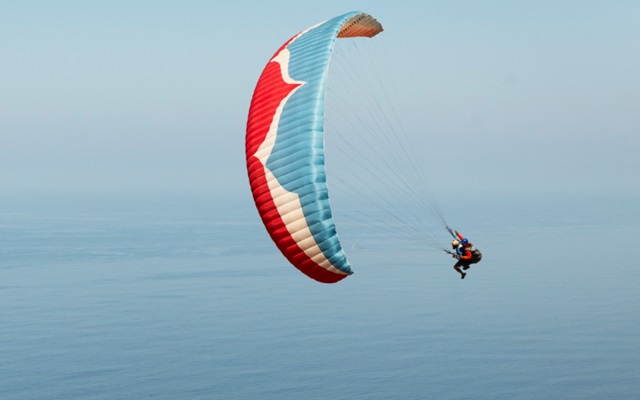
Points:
x=186 y=299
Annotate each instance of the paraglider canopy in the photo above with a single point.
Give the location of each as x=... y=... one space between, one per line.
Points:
x=285 y=147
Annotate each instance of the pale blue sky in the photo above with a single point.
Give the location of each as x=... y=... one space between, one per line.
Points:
x=152 y=96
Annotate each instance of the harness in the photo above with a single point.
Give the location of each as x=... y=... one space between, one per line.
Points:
x=476 y=255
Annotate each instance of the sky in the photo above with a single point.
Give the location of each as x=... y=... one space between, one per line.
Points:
x=151 y=97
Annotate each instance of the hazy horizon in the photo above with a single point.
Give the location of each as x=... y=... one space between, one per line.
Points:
x=143 y=98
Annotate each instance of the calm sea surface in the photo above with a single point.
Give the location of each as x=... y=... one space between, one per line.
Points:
x=192 y=301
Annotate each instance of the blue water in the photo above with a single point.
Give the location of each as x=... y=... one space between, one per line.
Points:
x=190 y=300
